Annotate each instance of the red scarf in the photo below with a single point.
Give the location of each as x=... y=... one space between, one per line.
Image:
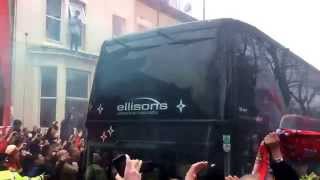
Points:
x=3 y=145
x=295 y=145
x=261 y=164
x=300 y=145
x=77 y=141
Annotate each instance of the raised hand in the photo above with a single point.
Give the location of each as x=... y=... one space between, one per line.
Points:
x=132 y=170
x=231 y=178
x=272 y=141
x=195 y=169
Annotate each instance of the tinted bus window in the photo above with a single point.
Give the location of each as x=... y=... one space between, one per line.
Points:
x=130 y=84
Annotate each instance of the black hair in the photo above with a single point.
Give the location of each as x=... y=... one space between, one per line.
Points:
x=18 y=141
x=45 y=150
x=3 y=160
x=215 y=173
x=16 y=125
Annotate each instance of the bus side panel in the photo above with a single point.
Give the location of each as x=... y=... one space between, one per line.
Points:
x=254 y=101
x=267 y=82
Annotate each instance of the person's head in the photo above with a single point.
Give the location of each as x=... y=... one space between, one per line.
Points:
x=39 y=160
x=55 y=125
x=16 y=125
x=12 y=152
x=25 y=131
x=38 y=131
x=49 y=151
x=34 y=147
x=51 y=135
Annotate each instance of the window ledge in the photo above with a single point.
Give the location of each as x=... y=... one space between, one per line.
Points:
x=58 y=49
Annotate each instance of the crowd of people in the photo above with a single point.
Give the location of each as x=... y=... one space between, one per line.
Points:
x=30 y=154
x=280 y=169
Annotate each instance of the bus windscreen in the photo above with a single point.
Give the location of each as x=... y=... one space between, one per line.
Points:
x=170 y=81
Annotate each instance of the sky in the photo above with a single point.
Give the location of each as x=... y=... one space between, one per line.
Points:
x=293 y=23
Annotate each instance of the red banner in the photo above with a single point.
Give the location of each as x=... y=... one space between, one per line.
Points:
x=4 y=130
x=296 y=146
x=5 y=63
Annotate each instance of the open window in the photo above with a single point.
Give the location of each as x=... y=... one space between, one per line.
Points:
x=80 y=6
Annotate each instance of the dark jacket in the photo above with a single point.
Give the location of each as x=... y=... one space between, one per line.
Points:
x=95 y=172
x=66 y=171
x=283 y=171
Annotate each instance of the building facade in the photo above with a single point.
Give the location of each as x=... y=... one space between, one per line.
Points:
x=49 y=80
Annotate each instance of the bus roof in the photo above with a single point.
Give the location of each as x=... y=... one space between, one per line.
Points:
x=200 y=49
x=162 y=35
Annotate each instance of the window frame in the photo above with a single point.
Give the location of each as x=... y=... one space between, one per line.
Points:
x=83 y=28
x=55 y=19
x=48 y=97
x=77 y=99
x=88 y=85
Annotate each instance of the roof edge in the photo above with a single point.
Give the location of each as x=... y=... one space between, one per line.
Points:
x=167 y=9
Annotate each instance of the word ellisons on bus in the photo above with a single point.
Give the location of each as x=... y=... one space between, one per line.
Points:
x=143 y=104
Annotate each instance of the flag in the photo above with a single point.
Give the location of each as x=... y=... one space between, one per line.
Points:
x=296 y=145
x=5 y=63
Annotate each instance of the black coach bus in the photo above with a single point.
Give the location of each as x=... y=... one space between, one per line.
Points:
x=182 y=94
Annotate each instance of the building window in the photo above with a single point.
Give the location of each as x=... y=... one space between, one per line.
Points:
x=77 y=95
x=77 y=26
x=118 y=25
x=143 y=24
x=53 y=19
x=48 y=96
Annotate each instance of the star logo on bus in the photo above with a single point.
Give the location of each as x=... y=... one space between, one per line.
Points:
x=110 y=131
x=100 y=109
x=181 y=106
x=107 y=134
x=104 y=136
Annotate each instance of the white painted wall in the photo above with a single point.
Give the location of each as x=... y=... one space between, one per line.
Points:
x=31 y=19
